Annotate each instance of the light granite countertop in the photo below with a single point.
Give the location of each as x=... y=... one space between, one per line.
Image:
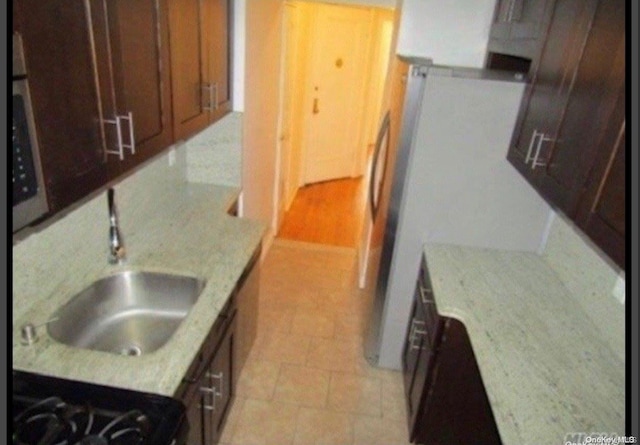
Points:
x=546 y=371
x=187 y=232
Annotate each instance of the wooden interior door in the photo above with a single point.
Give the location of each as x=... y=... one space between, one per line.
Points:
x=335 y=92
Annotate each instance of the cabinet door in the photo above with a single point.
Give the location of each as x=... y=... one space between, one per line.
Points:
x=602 y=210
x=528 y=19
x=418 y=357
x=194 y=415
x=457 y=409
x=542 y=108
x=217 y=36
x=189 y=71
x=57 y=44
x=200 y=63
x=590 y=102
x=133 y=52
x=220 y=378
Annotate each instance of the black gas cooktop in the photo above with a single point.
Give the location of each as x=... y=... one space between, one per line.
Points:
x=48 y=410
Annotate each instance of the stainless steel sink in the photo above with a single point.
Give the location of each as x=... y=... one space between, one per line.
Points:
x=129 y=313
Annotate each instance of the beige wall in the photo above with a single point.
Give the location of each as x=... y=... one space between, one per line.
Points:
x=262 y=92
x=452 y=32
x=587 y=272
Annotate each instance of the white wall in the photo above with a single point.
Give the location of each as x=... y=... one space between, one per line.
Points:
x=451 y=32
x=239 y=33
x=262 y=93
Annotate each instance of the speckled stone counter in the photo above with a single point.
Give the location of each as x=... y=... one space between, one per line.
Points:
x=546 y=370
x=183 y=229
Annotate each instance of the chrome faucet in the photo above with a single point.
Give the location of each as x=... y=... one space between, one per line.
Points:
x=116 y=248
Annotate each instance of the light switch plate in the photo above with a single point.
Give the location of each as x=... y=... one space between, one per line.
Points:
x=619 y=290
x=172 y=158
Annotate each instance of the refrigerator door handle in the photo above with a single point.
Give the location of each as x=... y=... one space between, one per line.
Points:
x=373 y=182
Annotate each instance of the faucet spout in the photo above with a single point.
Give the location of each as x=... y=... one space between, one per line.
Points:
x=116 y=247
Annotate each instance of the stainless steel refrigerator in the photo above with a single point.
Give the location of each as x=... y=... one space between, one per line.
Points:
x=440 y=174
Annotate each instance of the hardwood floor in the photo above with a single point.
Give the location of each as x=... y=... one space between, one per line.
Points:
x=329 y=213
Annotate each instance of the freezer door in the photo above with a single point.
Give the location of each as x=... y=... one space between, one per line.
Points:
x=410 y=79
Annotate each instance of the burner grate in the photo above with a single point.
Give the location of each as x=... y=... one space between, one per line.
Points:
x=53 y=411
x=52 y=421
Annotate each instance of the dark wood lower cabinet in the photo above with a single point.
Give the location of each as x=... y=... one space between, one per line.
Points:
x=219 y=385
x=446 y=399
x=208 y=388
x=456 y=408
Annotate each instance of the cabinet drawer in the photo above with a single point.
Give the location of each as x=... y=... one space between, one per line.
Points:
x=188 y=388
x=424 y=295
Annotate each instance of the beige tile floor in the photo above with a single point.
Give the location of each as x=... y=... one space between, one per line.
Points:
x=306 y=381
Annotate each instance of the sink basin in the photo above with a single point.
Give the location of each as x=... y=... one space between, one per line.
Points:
x=129 y=313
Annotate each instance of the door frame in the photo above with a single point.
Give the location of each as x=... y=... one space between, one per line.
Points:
x=294 y=170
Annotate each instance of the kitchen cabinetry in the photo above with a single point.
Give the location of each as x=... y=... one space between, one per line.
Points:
x=247 y=297
x=601 y=213
x=518 y=27
x=209 y=385
x=200 y=65
x=570 y=102
x=132 y=60
x=105 y=97
x=446 y=399
x=207 y=389
x=65 y=100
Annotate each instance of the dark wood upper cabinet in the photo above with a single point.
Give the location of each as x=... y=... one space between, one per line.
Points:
x=518 y=27
x=65 y=97
x=601 y=213
x=132 y=52
x=542 y=108
x=564 y=126
x=200 y=63
x=111 y=80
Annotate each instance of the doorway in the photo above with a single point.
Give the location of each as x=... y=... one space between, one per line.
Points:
x=334 y=64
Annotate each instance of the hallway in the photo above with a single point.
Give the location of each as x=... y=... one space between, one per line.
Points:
x=329 y=213
x=306 y=381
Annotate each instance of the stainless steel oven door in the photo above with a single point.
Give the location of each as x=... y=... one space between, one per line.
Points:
x=29 y=195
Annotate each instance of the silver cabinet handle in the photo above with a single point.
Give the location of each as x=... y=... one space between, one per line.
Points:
x=211 y=90
x=415 y=333
x=535 y=162
x=208 y=390
x=220 y=377
x=132 y=141
x=117 y=121
x=424 y=294
x=534 y=136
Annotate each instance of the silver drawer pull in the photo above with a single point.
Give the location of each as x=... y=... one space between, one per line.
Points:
x=536 y=163
x=534 y=136
x=417 y=330
x=220 y=377
x=425 y=295
x=211 y=90
x=117 y=121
